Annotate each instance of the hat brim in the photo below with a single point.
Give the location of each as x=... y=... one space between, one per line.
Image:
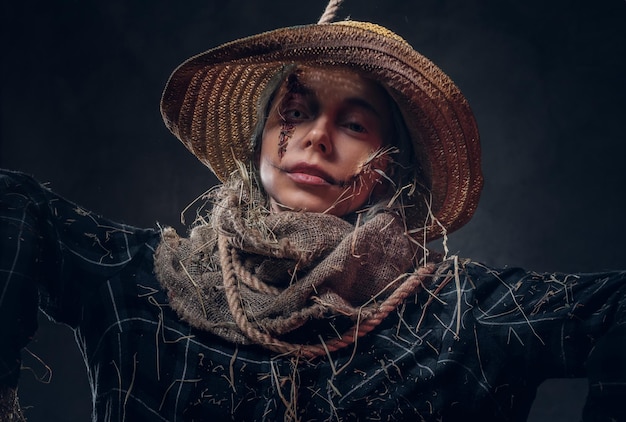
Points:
x=210 y=103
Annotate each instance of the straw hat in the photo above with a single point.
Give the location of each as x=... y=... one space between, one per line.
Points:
x=210 y=104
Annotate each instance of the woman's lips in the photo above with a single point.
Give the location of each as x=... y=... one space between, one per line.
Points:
x=307 y=179
x=309 y=175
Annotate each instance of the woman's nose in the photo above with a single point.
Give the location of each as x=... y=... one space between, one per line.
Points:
x=319 y=136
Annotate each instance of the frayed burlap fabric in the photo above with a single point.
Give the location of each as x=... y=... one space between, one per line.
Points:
x=255 y=278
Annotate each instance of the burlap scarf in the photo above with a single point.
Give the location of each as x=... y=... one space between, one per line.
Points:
x=254 y=277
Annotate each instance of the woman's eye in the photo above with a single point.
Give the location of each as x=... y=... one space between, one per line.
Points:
x=356 y=127
x=294 y=114
x=294 y=110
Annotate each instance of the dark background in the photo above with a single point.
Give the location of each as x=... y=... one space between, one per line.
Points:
x=81 y=82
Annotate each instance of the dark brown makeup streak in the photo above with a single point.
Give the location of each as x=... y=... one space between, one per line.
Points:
x=286 y=131
x=294 y=86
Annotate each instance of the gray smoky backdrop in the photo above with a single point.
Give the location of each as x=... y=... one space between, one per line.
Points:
x=81 y=83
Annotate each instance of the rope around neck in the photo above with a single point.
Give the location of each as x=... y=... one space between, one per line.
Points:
x=364 y=324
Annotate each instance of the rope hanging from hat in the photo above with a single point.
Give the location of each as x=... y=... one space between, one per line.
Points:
x=330 y=12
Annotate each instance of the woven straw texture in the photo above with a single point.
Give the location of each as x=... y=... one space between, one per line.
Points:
x=210 y=103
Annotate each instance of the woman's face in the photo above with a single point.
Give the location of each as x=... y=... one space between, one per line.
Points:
x=322 y=141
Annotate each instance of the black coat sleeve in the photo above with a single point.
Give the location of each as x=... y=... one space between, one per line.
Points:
x=53 y=255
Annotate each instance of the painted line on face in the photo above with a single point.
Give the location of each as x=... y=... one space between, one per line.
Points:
x=286 y=132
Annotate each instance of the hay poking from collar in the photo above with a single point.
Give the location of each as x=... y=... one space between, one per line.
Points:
x=254 y=277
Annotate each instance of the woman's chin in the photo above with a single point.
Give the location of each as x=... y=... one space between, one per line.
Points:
x=337 y=207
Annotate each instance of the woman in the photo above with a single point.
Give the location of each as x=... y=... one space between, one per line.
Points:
x=218 y=345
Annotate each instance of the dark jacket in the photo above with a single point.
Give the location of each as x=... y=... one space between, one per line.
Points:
x=477 y=351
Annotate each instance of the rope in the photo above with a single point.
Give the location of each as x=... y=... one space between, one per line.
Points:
x=250 y=280
x=230 y=210
x=361 y=328
x=235 y=305
x=408 y=287
x=330 y=12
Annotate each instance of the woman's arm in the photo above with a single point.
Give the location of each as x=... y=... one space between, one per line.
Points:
x=53 y=255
